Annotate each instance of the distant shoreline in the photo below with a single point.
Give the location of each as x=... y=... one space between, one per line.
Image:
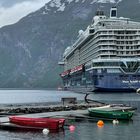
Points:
x=28 y=88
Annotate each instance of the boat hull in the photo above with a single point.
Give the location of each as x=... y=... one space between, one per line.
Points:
x=110 y=114
x=103 y=82
x=49 y=123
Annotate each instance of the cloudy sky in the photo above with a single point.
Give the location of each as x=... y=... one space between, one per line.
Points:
x=12 y=10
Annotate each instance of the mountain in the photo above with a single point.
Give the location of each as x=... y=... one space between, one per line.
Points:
x=31 y=48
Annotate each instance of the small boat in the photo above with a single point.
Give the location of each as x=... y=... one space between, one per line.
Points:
x=110 y=113
x=123 y=107
x=50 y=123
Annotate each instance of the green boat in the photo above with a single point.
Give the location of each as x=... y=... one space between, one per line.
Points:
x=110 y=113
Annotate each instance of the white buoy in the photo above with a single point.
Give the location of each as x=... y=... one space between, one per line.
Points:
x=115 y=121
x=45 y=131
x=138 y=90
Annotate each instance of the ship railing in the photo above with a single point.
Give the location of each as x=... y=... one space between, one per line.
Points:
x=128 y=35
x=107 y=48
x=105 y=43
x=128 y=39
x=122 y=50
x=126 y=55
x=105 y=60
x=106 y=38
x=102 y=67
x=105 y=32
x=133 y=44
x=123 y=27
x=131 y=25
x=97 y=49
x=107 y=53
x=118 y=39
x=97 y=45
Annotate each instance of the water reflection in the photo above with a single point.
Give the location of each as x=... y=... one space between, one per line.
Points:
x=85 y=129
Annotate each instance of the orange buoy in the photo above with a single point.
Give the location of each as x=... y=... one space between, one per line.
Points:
x=100 y=123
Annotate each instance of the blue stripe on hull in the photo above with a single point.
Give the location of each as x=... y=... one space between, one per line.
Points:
x=115 y=90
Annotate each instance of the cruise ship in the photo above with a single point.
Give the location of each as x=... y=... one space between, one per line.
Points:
x=105 y=57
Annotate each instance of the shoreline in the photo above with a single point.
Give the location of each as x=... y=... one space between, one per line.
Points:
x=18 y=109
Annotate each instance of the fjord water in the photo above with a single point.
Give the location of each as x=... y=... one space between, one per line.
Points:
x=85 y=129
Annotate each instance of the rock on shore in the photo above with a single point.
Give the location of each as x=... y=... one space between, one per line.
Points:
x=49 y=108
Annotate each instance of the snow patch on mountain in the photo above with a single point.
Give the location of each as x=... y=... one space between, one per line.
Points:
x=69 y=1
x=106 y=1
x=25 y=48
x=83 y=1
x=46 y=7
x=58 y=4
x=62 y=7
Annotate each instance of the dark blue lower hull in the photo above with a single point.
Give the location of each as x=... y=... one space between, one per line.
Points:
x=100 y=89
x=103 y=82
x=117 y=83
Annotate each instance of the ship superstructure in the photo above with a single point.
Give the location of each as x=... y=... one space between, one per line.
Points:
x=106 y=55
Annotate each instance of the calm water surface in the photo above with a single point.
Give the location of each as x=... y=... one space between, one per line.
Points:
x=85 y=129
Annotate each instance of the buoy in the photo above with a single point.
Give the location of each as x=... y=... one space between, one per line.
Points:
x=71 y=128
x=100 y=123
x=115 y=121
x=45 y=131
x=138 y=90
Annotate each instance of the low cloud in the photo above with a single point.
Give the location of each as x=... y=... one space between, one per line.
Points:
x=12 y=14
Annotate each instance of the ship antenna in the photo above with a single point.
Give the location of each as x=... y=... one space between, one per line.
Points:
x=99 y=6
x=117 y=3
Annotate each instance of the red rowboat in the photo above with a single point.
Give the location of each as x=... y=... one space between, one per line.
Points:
x=50 y=123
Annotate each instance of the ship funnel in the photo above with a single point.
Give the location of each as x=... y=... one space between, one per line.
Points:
x=113 y=12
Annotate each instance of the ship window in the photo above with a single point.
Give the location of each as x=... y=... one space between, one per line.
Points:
x=99 y=23
x=129 y=66
x=120 y=32
x=87 y=67
x=91 y=31
x=113 y=71
x=98 y=64
x=113 y=13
